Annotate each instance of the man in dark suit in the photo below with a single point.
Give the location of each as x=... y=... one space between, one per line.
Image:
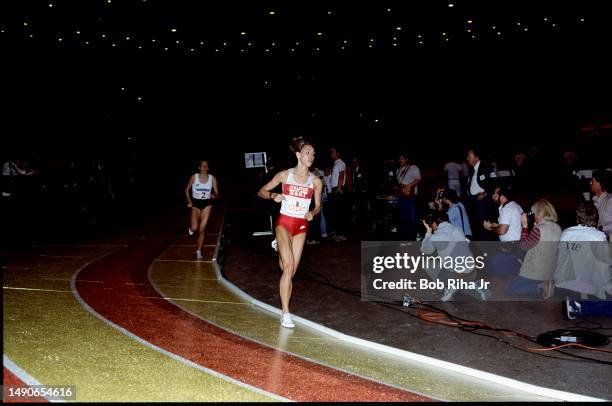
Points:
x=360 y=190
x=480 y=184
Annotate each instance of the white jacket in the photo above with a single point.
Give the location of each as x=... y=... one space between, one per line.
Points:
x=584 y=262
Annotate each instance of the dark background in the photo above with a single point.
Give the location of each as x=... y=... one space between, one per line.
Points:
x=504 y=93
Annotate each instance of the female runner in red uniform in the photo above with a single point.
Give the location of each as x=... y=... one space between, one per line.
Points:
x=299 y=186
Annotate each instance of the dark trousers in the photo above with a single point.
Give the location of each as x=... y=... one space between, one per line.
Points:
x=314 y=229
x=339 y=213
x=598 y=308
x=408 y=217
x=595 y=308
x=362 y=208
x=482 y=209
x=16 y=225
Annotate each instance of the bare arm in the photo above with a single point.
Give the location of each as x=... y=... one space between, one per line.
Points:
x=318 y=188
x=499 y=229
x=191 y=179
x=215 y=188
x=265 y=193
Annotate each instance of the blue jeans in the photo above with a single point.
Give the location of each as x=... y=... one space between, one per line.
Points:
x=595 y=308
x=481 y=210
x=408 y=217
x=524 y=287
x=505 y=263
x=601 y=308
x=323 y=222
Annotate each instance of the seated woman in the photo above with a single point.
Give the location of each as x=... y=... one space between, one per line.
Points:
x=541 y=243
x=584 y=267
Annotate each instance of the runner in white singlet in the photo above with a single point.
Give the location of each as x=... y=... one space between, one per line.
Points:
x=299 y=186
x=200 y=191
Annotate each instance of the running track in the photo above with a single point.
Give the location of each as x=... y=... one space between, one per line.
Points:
x=136 y=306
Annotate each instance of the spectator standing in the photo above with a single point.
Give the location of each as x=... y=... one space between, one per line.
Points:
x=452 y=173
x=479 y=186
x=408 y=178
x=338 y=210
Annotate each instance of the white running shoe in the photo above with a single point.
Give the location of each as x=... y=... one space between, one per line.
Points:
x=189 y=231
x=274 y=245
x=199 y=254
x=571 y=308
x=483 y=294
x=286 y=321
x=448 y=294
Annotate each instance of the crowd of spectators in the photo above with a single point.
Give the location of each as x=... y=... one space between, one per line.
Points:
x=482 y=200
x=63 y=198
x=522 y=200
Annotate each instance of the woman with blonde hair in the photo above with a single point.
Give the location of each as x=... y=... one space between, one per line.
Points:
x=541 y=243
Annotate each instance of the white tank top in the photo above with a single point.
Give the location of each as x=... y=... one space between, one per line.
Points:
x=201 y=190
x=297 y=196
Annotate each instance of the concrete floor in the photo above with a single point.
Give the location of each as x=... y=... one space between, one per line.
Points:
x=251 y=264
x=134 y=317
x=140 y=319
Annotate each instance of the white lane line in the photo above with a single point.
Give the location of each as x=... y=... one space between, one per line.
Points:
x=181 y=260
x=282 y=331
x=467 y=371
x=24 y=376
x=193 y=245
x=145 y=297
x=169 y=285
x=194 y=300
x=161 y=350
x=284 y=350
x=81 y=246
x=15 y=254
x=39 y=290
x=472 y=372
x=22 y=278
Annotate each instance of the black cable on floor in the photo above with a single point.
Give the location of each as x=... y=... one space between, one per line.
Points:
x=599 y=327
x=460 y=321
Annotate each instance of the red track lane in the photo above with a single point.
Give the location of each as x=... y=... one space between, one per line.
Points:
x=165 y=325
x=10 y=379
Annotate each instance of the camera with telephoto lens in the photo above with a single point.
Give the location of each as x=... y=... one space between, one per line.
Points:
x=429 y=219
x=441 y=195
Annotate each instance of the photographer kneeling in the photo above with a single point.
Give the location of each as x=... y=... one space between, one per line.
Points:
x=541 y=243
x=448 y=201
x=449 y=241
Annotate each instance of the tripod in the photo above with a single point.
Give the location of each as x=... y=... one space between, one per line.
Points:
x=254 y=160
